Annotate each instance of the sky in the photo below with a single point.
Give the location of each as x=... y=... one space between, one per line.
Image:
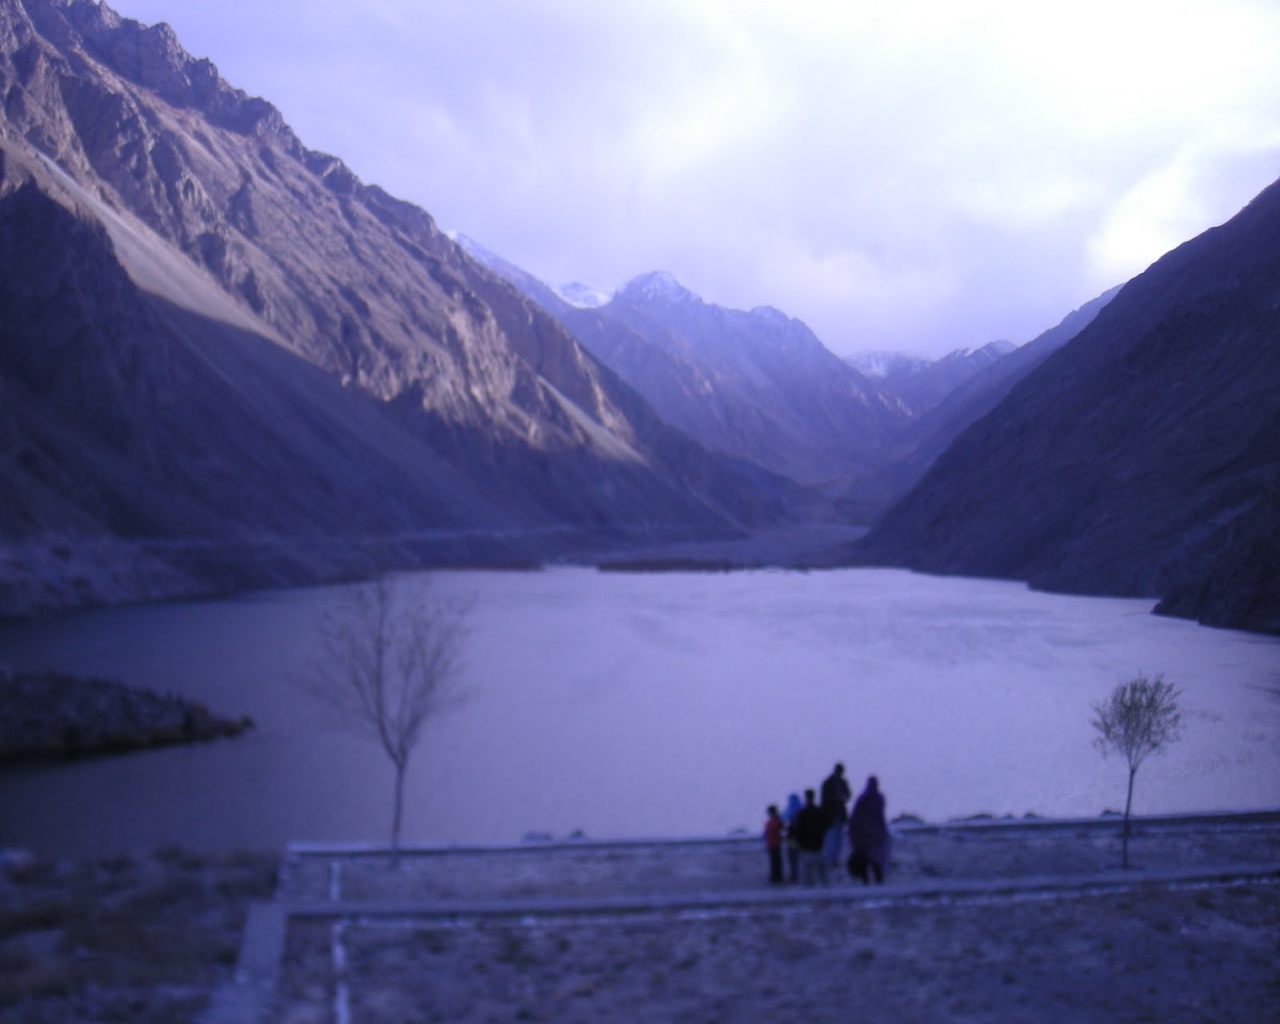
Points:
x=914 y=176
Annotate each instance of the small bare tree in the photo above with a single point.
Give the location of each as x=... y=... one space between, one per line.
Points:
x=388 y=661
x=1140 y=717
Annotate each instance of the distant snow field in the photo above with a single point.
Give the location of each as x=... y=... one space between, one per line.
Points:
x=624 y=704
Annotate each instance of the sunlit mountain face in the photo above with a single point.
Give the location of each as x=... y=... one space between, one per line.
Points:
x=214 y=334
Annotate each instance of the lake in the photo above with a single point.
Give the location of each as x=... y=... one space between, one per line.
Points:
x=628 y=704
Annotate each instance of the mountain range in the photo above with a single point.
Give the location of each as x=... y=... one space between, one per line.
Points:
x=760 y=386
x=226 y=362
x=919 y=383
x=755 y=385
x=225 y=359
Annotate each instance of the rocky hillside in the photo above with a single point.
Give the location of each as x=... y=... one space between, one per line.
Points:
x=213 y=334
x=922 y=383
x=1142 y=458
x=755 y=385
x=982 y=379
x=760 y=386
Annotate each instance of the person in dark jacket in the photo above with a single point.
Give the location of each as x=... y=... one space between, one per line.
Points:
x=869 y=834
x=834 y=804
x=810 y=830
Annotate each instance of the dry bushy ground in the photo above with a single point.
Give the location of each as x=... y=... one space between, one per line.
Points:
x=141 y=939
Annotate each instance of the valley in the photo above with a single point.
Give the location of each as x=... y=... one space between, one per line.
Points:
x=227 y=364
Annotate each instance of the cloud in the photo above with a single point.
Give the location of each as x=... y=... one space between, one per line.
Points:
x=1172 y=203
x=915 y=175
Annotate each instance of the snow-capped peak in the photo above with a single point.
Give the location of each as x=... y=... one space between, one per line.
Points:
x=581 y=295
x=773 y=314
x=474 y=249
x=879 y=365
x=658 y=286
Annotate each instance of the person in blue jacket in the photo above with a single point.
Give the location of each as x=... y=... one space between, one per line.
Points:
x=793 y=846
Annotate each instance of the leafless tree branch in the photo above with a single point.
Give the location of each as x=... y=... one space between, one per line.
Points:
x=389 y=660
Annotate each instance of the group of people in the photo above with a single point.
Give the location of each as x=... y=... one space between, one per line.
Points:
x=812 y=833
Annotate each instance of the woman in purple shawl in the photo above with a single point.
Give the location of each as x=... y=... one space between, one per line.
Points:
x=869 y=834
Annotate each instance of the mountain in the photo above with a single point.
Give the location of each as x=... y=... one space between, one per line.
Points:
x=1141 y=458
x=921 y=384
x=544 y=295
x=755 y=385
x=722 y=384
x=225 y=361
x=981 y=380
x=580 y=295
x=882 y=364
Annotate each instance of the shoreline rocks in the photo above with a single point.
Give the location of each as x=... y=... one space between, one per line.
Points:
x=51 y=716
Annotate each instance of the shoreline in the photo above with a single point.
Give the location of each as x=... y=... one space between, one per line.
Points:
x=55 y=717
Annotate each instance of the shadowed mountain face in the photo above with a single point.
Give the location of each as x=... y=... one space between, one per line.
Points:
x=982 y=382
x=754 y=385
x=1142 y=458
x=209 y=332
x=922 y=383
x=762 y=387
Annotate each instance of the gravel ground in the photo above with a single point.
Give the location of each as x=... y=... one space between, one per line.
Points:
x=147 y=939
x=1146 y=952
x=1194 y=954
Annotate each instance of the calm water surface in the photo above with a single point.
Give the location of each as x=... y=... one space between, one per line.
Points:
x=638 y=705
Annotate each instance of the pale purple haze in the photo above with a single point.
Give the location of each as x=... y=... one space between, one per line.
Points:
x=918 y=176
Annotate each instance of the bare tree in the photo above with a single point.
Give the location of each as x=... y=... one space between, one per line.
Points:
x=1140 y=717
x=389 y=660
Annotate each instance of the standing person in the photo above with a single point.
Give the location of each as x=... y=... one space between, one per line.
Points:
x=835 y=798
x=773 y=830
x=793 y=847
x=811 y=830
x=869 y=834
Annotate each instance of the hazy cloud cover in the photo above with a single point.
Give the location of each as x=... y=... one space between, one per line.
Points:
x=918 y=175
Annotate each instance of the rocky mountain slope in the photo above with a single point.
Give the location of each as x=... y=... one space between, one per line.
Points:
x=982 y=380
x=756 y=385
x=1141 y=458
x=922 y=383
x=210 y=333
x=761 y=386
